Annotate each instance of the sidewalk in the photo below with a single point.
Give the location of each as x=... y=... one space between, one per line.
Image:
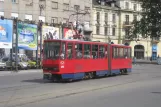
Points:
x=2 y=73
x=145 y=61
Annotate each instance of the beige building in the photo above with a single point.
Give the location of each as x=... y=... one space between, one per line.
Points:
x=51 y=11
x=59 y=12
x=105 y=22
x=112 y=21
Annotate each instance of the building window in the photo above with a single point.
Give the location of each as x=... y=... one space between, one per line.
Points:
x=135 y=17
x=87 y=9
x=54 y=5
x=113 y=31
x=14 y=15
x=14 y=1
x=76 y=7
x=135 y=7
x=113 y=18
x=1 y=13
x=127 y=32
x=126 y=5
x=54 y=20
x=127 y=19
x=97 y=30
x=106 y=31
x=66 y=6
x=106 y=18
x=28 y=17
x=42 y=18
x=98 y=17
x=65 y=20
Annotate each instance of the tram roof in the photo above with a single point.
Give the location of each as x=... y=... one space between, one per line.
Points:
x=85 y=41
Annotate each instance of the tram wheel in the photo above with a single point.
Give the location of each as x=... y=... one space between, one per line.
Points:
x=70 y=80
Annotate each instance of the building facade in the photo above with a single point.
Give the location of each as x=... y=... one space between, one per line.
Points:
x=58 y=12
x=105 y=21
x=124 y=12
x=51 y=11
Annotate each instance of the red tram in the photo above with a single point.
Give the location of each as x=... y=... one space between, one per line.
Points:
x=73 y=60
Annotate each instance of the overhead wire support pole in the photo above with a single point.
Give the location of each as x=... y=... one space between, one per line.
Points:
x=16 y=48
x=40 y=30
x=77 y=18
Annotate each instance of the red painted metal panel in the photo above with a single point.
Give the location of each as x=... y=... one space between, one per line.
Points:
x=87 y=65
x=77 y=66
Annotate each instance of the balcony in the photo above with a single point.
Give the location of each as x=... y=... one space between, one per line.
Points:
x=127 y=24
x=155 y=40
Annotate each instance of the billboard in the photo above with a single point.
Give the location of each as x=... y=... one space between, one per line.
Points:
x=27 y=36
x=6 y=31
x=50 y=33
x=68 y=33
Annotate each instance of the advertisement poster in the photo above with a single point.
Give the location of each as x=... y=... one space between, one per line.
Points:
x=27 y=36
x=6 y=31
x=68 y=33
x=50 y=33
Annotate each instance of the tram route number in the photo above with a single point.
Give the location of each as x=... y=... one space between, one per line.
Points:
x=78 y=67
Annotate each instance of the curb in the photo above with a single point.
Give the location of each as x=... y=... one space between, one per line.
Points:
x=3 y=73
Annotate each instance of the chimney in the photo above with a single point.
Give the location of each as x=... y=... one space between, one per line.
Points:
x=112 y=4
x=103 y=2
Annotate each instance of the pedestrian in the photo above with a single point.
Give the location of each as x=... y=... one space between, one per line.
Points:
x=151 y=59
x=134 y=59
x=158 y=57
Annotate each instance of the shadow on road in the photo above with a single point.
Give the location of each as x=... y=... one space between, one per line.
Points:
x=156 y=92
x=41 y=81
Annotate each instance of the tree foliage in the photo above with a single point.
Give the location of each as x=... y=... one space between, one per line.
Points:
x=150 y=23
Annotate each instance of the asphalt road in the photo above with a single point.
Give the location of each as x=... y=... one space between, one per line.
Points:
x=141 y=88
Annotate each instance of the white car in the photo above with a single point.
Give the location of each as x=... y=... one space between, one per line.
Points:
x=2 y=65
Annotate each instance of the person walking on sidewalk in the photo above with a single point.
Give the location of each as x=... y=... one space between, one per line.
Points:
x=151 y=59
x=159 y=60
x=134 y=59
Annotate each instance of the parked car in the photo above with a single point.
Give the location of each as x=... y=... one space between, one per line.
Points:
x=11 y=63
x=31 y=63
x=2 y=65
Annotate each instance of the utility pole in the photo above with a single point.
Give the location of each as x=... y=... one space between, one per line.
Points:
x=119 y=33
x=40 y=31
x=16 y=46
x=41 y=6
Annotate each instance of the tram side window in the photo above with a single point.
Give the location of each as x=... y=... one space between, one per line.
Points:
x=129 y=52
x=87 y=50
x=95 y=51
x=78 y=51
x=69 y=50
x=63 y=51
x=125 y=52
x=45 y=50
x=121 y=52
x=101 y=51
x=115 y=52
x=106 y=51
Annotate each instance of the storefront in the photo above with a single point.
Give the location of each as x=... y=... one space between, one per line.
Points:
x=139 y=51
x=154 y=52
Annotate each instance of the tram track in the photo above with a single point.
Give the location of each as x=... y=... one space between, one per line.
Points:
x=47 y=96
x=26 y=87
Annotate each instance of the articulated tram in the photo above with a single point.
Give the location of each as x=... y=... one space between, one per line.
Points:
x=75 y=60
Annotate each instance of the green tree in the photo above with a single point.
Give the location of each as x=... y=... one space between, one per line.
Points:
x=150 y=23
